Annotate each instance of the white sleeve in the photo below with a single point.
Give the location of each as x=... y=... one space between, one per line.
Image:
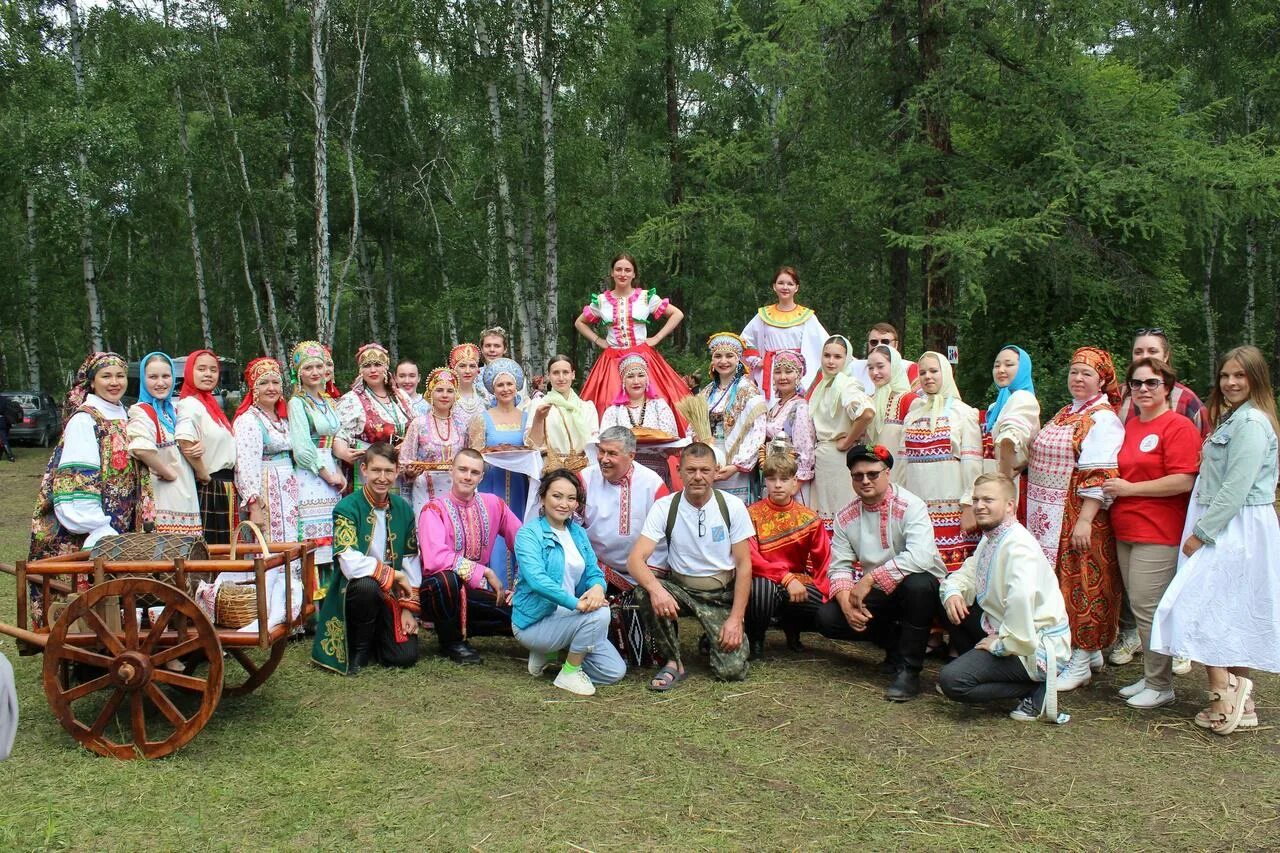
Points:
x=1100 y=449
x=1019 y=423
x=82 y=513
x=350 y=417
x=740 y=526
x=141 y=431
x=356 y=565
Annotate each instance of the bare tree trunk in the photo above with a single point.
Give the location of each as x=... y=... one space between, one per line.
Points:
x=675 y=162
x=1273 y=282
x=939 y=284
x=362 y=41
x=389 y=277
x=491 y=263
x=319 y=98
x=450 y=312
x=899 y=257
x=364 y=269
x=248 y=280
x=1206 y=296
x=82 y=189
x=206 y=329
x=504 y=185
x=31 y=343
x=551 y=225
x=529 y=308
x=288 y=180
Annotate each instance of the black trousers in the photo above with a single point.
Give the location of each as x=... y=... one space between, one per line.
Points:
x=770 y=601
x=968 y=633
x=370 y=628
x=442 y=602
x=979 y=676
x=900 y=620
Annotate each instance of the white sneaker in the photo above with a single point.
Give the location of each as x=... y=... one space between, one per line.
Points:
x=575 y=682
x=1182 y=666
x=1133 y=689
x=537 y=663
x=1078 y=672
x=1126 y=647
x=1096 y=662
x=1148 y=699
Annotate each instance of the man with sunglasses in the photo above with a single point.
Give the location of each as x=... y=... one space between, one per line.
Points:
x=881 y=334
x=707 y=533
x=885 y=571
x=1154 y=343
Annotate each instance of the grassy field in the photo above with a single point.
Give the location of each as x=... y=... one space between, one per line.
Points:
x=803 y=755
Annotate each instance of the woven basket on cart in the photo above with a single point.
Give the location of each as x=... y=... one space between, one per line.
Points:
x=152 y=547
x=236 y=604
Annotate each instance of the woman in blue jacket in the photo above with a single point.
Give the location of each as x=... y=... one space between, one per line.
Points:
x=559 y=601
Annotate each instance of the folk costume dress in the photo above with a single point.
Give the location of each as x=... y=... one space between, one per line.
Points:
x=790 y=418
x=1014 y=416
x=1223 y=606
x=652 y=413
x=92 y=488
x=941 y=457
x=571 y=424
x=265 y=477
x=367 y=418
x=470 y=401
x=432 y=442
x=313 y=424
x=626 y=319
x=1070 y=459
x=891 y=402
x=209 y=425
x=791 y=543
x=370 y=543
x=501 y=477
x=153 y=426
x=773 y=330
x=835 y=402
x=737 y=412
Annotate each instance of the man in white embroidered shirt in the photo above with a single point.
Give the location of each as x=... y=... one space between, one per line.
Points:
x=620 y=494
x=884 y=573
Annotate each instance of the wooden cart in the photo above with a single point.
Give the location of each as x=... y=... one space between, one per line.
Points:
x=132 y=666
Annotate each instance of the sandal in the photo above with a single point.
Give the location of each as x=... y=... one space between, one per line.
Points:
x=1231 y=721
x=666 y=678
x=1248 y=720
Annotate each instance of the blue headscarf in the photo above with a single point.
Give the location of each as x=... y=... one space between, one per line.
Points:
x=496 y=368
x=1021 y=382
x=164 y=409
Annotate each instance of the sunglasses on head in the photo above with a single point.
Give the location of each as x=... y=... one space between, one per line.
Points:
x=1157 y=331
x=1150 y=384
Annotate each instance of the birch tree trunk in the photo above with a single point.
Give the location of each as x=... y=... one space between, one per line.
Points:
x=206 y=329
x=319 y=98
x=491 y=263
x=527 y=309
x=248 y=280
x=450 y=313
x=1206 y=297
x=389 y=277
x=30 y=340
x=551 y=294
x=362 y=40
x=503 y=184
x=82 y=188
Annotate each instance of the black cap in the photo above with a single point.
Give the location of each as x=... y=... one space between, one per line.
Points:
x=862 y=453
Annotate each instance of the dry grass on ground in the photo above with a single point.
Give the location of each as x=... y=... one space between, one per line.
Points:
x=804 y=754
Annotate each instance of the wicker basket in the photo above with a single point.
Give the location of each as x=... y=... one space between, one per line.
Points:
x=150 y=547
x=236 y=604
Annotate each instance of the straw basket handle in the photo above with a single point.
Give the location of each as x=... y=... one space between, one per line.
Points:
x=257 y=534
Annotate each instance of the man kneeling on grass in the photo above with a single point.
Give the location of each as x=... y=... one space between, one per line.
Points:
x=706 y=532
x=369 y=613
x=1007 y=610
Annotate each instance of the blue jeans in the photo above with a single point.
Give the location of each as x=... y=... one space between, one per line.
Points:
x=584 y=633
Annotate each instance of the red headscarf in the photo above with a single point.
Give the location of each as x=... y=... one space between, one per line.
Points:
x=257 y=369
x=1100 y=361
x=206 y=399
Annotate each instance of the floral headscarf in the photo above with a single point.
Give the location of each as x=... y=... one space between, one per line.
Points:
x=303 y=352
x=626 y=364
x=498 y=367
x=206 y=398
x=164 y=409
x=83 y=385
x=255 y=370
x=1100 y=360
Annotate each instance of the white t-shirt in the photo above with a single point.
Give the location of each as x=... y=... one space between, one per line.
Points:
x=691 y=554
x=574 y=565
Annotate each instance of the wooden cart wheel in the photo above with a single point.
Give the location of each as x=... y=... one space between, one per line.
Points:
x=124 y=673
x=257 y=665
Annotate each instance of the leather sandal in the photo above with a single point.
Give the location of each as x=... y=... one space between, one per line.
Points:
x=1231 y=721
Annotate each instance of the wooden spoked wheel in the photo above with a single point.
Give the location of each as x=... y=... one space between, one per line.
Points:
x=257 y=667
x=127 y=678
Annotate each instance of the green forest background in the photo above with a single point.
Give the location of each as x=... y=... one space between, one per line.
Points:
x=247 y=173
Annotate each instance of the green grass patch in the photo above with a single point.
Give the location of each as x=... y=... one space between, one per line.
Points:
x=803 y=755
